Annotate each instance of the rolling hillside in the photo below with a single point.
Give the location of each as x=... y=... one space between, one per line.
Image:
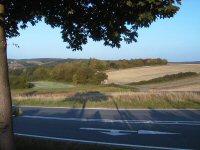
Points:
x=26 y=63
x=188 y=84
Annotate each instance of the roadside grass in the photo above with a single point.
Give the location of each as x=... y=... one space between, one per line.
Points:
x=117 y=100
x=24 y=143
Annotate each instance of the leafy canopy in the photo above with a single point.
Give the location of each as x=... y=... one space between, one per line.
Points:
x=112 y=21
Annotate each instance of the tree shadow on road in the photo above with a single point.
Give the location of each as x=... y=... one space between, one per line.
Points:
x=81 y=99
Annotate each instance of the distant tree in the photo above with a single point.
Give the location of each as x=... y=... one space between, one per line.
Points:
x=124 y=64
x=98 y=77
x=17 y=72
x=112 y=21
x=64 y=72
x=137 y=62
x=83 y=75
x=113 y=65
x=41 y=73
x=98 y=65
x=157 y=61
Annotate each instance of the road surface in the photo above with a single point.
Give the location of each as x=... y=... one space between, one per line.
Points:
x=142 y=129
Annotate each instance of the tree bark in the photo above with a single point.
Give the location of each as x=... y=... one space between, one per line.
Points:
x=6 y=135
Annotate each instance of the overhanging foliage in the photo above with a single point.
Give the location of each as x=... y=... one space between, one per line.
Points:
x=112 y=21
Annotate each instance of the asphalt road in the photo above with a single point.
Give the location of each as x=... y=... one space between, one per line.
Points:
x=143 y=129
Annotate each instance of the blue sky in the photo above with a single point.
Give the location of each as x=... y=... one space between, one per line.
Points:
x=176 y=39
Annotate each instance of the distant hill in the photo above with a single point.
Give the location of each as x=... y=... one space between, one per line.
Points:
x=27 y=63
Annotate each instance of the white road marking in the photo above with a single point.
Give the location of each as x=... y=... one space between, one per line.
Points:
x=98 y=108
x=112 y=130
x=115 y=132
x=191 y=123
x=101 y=143
x=155 y=132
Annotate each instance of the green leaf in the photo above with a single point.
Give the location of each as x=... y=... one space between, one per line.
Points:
x=129 y=3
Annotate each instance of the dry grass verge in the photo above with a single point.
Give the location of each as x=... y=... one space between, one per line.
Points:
x=115 y=100
x=155 y=96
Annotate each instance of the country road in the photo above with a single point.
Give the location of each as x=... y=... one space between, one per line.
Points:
x=138 y=129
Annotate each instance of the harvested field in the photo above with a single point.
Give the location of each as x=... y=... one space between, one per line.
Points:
x=149 y=72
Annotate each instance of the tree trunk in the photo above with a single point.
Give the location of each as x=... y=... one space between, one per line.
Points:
x=6 y=135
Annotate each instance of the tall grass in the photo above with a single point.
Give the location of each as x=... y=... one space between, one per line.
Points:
x=115 y=100
x=155 y=96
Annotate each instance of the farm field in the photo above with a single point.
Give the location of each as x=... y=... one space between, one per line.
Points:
x=126 y=76
x=40 y=85
x=187 y=84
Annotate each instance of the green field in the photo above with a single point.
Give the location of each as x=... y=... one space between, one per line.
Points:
x=48 y=85
x=58 y=87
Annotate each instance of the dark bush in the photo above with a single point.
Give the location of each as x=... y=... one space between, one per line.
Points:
x=17 y=82
x=83 y=75
x=98 y=77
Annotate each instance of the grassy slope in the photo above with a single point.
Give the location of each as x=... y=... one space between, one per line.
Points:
x=25 y=63
x=187 y=84
x=167 y=78
x=146 y=73
x=56 y=87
